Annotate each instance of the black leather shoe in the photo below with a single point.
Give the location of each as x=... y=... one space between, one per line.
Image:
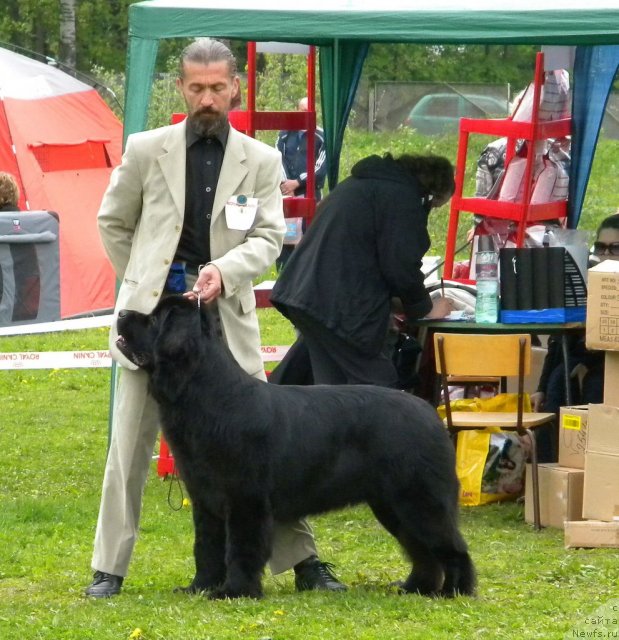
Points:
x=104 y=585
x=313 y=574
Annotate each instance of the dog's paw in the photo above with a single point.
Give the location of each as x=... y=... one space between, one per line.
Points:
x=397 y=586
x=417 y=587
x=224 y=593
x=194 y=589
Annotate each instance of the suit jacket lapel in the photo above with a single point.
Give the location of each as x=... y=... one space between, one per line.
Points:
x=233 y=171
x=172 y=163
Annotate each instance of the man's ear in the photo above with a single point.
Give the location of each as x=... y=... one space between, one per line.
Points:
x=236 y=100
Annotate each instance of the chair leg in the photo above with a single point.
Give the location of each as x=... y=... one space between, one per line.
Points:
x=535 y=481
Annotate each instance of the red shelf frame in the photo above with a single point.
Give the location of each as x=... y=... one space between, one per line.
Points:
x=520 y=212
x=249 y=121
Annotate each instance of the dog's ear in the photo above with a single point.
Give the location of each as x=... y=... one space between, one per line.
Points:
x=176 y=350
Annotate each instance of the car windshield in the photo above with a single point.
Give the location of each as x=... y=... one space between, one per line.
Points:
x=486 y=105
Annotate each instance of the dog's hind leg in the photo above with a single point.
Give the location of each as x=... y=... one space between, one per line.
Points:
x=209 y=550
x=460 y=576
x=426 y=576
x=441 y=563
x=249 y=528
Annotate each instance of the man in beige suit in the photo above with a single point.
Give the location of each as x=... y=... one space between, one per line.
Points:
x=205 y=199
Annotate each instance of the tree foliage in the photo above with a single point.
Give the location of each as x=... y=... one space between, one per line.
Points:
x=470 y=63
x=102 y=42
x=101 y=31
x=282 y=81
x=101 y=27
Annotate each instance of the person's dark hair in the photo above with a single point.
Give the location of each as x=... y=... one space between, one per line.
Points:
x=612 y=222
x=206 y=51
x=434 y=173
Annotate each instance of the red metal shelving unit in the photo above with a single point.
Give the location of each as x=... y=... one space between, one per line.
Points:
x=249 y=121
x=523 y=212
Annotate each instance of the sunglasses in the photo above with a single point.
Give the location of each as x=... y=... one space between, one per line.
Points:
x=600 y=248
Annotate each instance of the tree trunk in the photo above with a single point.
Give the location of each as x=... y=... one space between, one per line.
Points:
x=67 y=32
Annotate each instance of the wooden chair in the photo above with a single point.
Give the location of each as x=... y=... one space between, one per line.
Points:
x=502 y=355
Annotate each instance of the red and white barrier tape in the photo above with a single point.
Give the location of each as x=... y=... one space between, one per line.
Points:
x=90 y=359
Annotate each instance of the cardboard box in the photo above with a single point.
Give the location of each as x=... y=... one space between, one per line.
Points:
x=573 y=436
x=603 y=306
x=591 y=533
x=603 y=429
x=611 y=378
x=560 y=495
x=601 y=492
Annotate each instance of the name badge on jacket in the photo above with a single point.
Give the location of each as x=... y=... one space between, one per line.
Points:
x=241 y=212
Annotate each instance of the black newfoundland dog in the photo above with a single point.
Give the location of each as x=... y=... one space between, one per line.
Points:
x=251 y=452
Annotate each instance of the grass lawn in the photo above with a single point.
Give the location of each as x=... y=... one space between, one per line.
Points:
x=53 y=438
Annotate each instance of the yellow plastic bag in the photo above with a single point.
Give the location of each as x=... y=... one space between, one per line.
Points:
x=490 y=463
x=500 y=402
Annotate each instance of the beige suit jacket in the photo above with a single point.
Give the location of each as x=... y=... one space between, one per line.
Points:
x=141 y=219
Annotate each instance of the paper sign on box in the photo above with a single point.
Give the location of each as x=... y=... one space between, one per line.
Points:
x=603 y=306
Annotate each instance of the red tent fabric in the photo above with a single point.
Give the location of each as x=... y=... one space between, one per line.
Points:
x=61 y=141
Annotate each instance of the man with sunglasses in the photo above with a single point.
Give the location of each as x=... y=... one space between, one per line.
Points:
x=606 y=245
x=550 y=394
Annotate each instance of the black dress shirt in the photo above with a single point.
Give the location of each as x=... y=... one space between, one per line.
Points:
x=203 y=166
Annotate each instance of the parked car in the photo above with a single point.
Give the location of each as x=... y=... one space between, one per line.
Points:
x=438 y=113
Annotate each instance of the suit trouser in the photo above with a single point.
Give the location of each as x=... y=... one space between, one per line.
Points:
x=134 y=434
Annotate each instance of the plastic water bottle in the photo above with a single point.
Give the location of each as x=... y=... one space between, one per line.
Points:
x=487 y=277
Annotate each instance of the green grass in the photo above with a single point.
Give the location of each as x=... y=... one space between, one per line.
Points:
x=53 y=437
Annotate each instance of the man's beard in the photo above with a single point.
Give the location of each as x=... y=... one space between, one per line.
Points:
x=206 y=123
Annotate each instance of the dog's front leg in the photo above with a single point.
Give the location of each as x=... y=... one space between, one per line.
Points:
x=249 y=525
x=209 y=550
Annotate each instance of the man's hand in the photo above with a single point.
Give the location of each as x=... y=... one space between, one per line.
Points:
x=208 y=285
x=288 y=187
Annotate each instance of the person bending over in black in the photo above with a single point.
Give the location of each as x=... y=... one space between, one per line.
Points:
x=364 y=248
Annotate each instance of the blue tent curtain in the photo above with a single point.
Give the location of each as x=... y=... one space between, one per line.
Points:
x=595 y=68
x=340 y=71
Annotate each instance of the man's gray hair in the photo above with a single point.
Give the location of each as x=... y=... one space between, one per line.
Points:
x=205 y=51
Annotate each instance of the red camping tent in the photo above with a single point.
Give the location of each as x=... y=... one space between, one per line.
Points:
x=61 y=140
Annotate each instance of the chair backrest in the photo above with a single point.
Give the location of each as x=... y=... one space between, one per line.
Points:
x=468 y=354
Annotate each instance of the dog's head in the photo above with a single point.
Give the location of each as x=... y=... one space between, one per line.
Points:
x=166 y=343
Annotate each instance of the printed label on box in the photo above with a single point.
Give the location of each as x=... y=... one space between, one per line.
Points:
x=572 y=422
x=573 y=436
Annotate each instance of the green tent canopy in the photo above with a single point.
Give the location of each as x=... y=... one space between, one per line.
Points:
x=343 y=30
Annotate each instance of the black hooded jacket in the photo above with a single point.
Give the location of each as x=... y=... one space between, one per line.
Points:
x=363 y=248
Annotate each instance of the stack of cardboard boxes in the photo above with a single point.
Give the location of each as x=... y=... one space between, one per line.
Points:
x=581 y=492
x=561 y=485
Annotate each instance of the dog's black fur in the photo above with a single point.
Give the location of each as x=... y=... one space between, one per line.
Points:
x=251 y=452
